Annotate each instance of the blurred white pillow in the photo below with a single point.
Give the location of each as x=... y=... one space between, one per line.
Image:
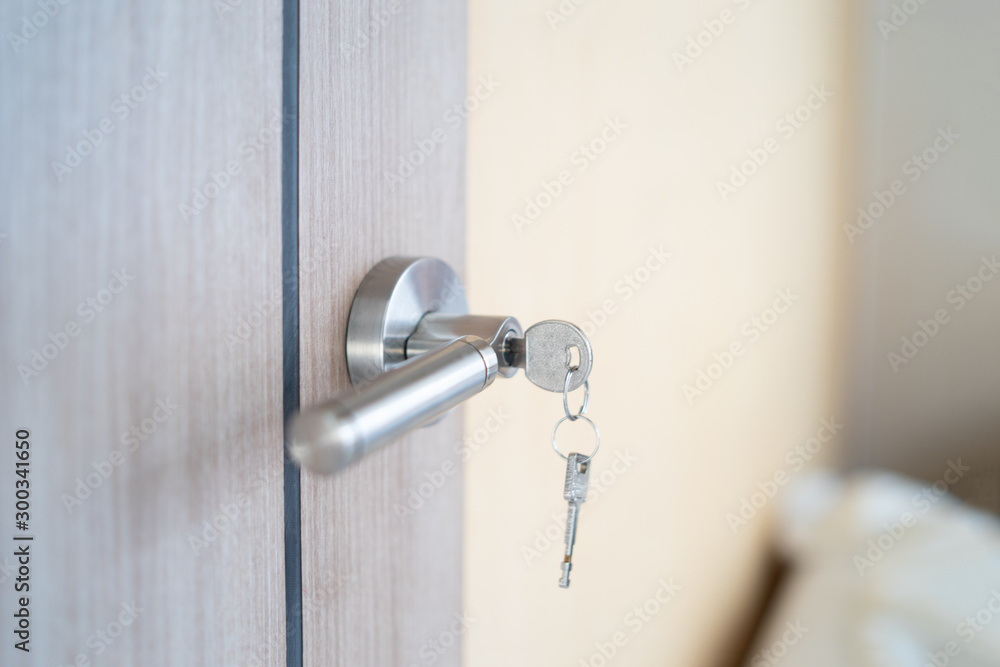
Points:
x=885 y=572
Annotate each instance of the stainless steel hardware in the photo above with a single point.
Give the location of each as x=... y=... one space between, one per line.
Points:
x=575 y=492
x=414 y=352
x=343 y=429
x=548 y=352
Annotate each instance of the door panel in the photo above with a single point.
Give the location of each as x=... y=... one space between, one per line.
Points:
x=381 y=172
x=142 y=276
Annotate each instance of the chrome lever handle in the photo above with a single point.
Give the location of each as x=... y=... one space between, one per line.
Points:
x=414 y=352
x=333 y=434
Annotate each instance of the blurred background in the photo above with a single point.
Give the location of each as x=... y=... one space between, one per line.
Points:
x=775 y=220
x=691 y=432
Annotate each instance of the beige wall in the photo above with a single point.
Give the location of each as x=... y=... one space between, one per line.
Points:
x=655 y=186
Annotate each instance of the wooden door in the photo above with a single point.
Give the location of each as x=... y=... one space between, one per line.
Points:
x=178 y=249
x=381 y=172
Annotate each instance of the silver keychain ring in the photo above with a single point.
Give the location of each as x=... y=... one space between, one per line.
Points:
x=586 y=397
x=597 y=433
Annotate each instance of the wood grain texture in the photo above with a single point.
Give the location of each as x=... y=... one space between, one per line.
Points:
x=376 y=82
x=197 y=328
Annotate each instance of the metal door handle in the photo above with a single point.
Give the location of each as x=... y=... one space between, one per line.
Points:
x=343 y=429
x=413 y=353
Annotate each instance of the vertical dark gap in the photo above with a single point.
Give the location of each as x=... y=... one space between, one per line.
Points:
x=290 y=322
x=742 y=639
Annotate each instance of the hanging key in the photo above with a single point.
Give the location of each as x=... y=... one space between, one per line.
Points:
x=548 y=349
x=577 y=481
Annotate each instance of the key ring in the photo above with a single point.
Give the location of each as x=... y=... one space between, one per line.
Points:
x=597 y=433
x=586 y=396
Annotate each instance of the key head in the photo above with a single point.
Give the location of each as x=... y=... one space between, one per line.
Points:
x=577 y=478
x=548 y=352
